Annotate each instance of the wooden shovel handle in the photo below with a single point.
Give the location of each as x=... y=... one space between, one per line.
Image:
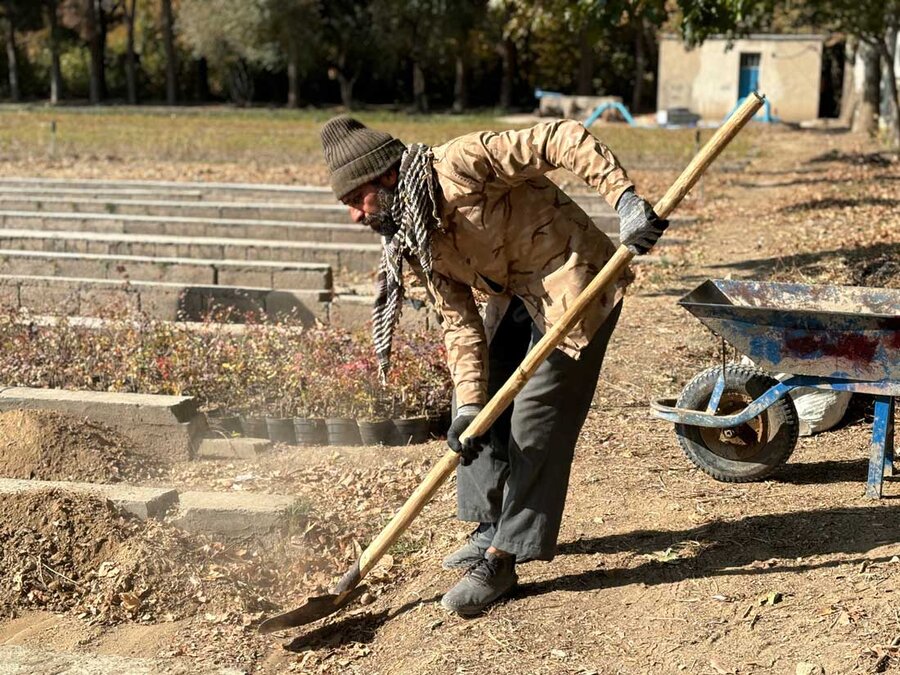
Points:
x=498 y=403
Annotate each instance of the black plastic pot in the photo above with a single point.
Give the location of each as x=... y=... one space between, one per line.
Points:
x=438 y=424
x=254 y=427
x=412 y=430
x=377 y=432
x=281 y=430
x=226 y=425
x=310 y=431
x=342 y=431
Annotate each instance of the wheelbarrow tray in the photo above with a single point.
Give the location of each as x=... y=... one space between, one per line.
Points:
x=847 y=332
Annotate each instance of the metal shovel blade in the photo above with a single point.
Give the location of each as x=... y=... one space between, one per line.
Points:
x=312 y=610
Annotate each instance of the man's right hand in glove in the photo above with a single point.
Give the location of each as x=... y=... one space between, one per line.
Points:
x=468 y=449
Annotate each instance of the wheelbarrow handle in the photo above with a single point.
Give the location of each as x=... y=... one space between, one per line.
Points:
x=611 y=271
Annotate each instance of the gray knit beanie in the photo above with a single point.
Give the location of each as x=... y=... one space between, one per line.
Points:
x=357 y=154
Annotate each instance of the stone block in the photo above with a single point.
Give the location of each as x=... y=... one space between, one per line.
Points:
x=233 y=514
x=9 y=293
x=83 y=268
x=143 y=502
x=245 y=276
x=306 y=306
x=159 y=426
x=45 y=298
x=98 y=299
x=302 y=278
x=164 y=303
x=232 y=448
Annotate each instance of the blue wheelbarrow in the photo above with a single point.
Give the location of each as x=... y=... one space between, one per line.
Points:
x=735 y=422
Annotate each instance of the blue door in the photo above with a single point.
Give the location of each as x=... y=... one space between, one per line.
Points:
x=749 y=77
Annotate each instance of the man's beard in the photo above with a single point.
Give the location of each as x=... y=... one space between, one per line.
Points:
x=383 y=221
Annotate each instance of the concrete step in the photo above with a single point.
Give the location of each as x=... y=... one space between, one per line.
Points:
x=255 y=273
x=225 y=191
x=321 y=213
x=189 y=226
x=353 y=257
x=70 y=296
x=39 y=191
x=18 y=660
x=143 y=502
x=233 y=514
x=311 y=212
x=159 y=426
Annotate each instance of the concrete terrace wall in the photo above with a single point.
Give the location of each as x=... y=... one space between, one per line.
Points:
x=705 y=79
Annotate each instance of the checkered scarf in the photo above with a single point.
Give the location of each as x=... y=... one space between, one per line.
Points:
x=415 y=213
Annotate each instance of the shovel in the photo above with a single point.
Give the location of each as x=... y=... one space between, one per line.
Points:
x=348 y=588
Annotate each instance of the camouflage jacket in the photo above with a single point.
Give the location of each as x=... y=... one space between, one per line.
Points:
x=509 y=230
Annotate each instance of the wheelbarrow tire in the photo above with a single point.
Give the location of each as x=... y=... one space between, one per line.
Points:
x=776 y=428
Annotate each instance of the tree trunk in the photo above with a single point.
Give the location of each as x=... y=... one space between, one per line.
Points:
x=508 y=56
x=12 y=60
x=93 y=36
x=130 y=67
x=346 y=85
x=293 y=73
x=887 y=47
x=169 y=46
x=640 y=66
x=103 y=25
x=420 y=98
x=460 y=85
x=849 y=97
x=202 y=79
x=585 y=78
x=867 y=115
x=55 y=70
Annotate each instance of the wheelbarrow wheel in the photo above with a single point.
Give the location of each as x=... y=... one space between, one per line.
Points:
x=747 y=452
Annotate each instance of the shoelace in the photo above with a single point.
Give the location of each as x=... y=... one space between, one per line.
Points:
x=484 y=569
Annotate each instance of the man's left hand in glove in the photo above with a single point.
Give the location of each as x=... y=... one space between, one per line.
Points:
x=639 y=226
x=472 y=446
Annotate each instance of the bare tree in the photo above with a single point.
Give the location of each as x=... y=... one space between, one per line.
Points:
x=866 y=119
x=849 y=97
x=50 y=16
x=91 y=33
x=129 y=8
x=9 y=25
x=169 y=46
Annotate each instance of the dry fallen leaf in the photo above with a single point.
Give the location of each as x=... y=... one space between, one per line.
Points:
x=130 y=601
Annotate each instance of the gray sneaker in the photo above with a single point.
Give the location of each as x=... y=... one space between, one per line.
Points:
x=473 y=551
x=484 y=582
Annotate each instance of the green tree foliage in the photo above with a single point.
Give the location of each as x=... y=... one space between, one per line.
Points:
x=873 y=22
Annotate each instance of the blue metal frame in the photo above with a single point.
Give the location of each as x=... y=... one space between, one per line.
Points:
x=881 y=456
x=764 y=116
x=599 y=110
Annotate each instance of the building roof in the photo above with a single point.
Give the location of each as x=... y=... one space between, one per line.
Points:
x=760 y=37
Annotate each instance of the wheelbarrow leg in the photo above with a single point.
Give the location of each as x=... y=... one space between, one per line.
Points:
x=882 y=448
x=890 y=439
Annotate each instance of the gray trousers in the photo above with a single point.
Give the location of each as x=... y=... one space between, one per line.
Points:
x=519 y=482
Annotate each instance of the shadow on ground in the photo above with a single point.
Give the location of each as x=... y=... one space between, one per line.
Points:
x=870 y=263
x=838 y=203
x=360 y=628
x=736 y=547
x=856 y=158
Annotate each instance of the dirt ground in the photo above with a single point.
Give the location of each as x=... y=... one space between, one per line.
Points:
x=660 y=568
x=47 y=445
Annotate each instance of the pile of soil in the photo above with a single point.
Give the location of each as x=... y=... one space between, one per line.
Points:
x=65 y=552
x=49 y=445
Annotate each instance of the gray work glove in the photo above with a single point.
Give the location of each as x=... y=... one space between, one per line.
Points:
x=471 y=447
x=639 y=226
